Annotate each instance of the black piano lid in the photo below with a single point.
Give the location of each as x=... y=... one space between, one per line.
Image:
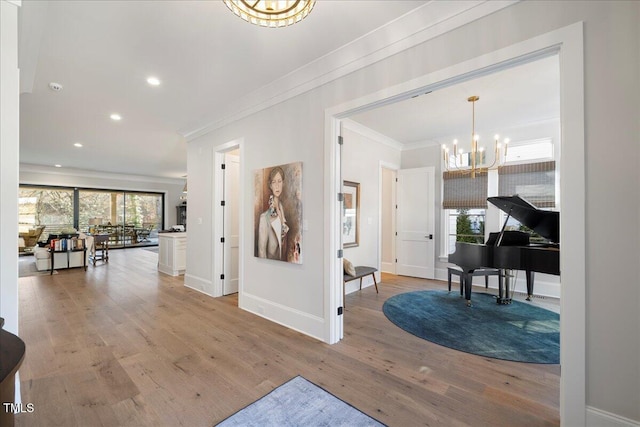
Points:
x=545 y=223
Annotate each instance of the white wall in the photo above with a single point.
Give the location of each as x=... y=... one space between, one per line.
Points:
x=43 y=175
x=284 y=292
x=293 y=131
x=9 y=137
x=361 y=157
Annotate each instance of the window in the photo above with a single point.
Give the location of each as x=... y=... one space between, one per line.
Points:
x=530 y=172
x=535 y=182
x=465 y=225
x=130 y=218
x=464 y=200
x=48 y=206
x=143 y=210
x=461 y=191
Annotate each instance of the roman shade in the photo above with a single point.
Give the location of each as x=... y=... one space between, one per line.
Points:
x=534 y=182
x=461 y=191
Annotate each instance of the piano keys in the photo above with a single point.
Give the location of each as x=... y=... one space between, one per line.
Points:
x=512 y=250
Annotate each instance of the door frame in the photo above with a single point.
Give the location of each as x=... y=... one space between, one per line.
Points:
x=394 y=196
x=218 y=217
x=229 y=178
x=568 y=43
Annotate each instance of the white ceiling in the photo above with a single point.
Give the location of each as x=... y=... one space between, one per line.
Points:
x=206 y=57
x=101 y=52
x=511 y=98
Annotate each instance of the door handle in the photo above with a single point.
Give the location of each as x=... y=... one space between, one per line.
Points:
x=430 y=237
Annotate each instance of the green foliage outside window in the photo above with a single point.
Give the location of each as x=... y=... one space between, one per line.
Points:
x=468 y=229
x=58 y=209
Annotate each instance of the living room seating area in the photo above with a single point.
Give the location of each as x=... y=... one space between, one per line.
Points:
x=28 y=240
x=42 y=256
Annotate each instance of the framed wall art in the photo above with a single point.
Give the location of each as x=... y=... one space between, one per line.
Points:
x=351 y=214
x=278 y=213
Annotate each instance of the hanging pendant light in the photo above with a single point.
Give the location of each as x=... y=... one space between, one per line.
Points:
x=271 y=13
x=476 y=156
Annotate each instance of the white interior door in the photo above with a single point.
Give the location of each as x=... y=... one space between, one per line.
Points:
x=415 y=223
x=231 y=224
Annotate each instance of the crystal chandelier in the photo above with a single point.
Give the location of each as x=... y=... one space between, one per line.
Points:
x=476 y=157
x=271 y=13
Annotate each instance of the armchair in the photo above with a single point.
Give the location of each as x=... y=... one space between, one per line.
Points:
x=30 y=238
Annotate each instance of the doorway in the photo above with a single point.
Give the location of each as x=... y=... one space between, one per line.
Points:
x=388 y=176
x=567 y=43
x=406 y=228
x=227 y=220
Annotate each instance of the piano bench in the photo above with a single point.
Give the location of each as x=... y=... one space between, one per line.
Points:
x=486 y=272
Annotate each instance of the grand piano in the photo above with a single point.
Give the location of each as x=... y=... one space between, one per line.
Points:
x=513 y=250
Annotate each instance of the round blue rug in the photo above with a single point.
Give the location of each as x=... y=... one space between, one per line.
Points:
x=519 y=331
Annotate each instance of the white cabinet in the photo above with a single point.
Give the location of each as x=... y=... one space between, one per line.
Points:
x=172 y=253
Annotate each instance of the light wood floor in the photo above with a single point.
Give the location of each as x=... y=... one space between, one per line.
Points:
x=123 y=345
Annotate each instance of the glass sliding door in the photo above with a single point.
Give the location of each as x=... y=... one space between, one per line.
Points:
x=46 y=206
x=142 y=217
x=130 y=218
x=102 y=212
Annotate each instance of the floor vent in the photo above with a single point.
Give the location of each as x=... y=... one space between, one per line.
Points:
x=533 y=296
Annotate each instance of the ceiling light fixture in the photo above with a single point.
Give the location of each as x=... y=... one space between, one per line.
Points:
x=271 y=13
x=58 y=166
x=153 y=81
x=474 y=161
x=116 y=117
x=77 y=144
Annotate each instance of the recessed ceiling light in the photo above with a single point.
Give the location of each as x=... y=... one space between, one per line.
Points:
x=116 y=117
x=77 y=144
x=153 y=81
x=58 y=166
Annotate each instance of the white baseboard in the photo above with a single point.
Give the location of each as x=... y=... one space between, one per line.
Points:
x=388 y=267
x=599 y=418
x=288 y=317
x=199 y=284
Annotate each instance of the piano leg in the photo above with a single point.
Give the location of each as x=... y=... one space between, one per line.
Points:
x=503 y=293
x=467 y=279
x=529 y=275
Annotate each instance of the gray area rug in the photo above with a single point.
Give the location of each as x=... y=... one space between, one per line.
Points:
x=299 y=403
x=27 y=267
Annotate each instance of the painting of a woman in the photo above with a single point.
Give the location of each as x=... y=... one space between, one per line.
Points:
x=278 y=231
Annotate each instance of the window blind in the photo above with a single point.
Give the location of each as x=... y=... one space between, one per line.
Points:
x=535 y=182
x=460 y=191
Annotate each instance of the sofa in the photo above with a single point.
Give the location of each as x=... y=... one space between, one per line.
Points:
x=43 y=256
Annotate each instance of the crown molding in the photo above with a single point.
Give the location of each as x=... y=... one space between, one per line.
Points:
x=422 y=24
x=371 y=134
x=85 y=173
x=420 y=144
